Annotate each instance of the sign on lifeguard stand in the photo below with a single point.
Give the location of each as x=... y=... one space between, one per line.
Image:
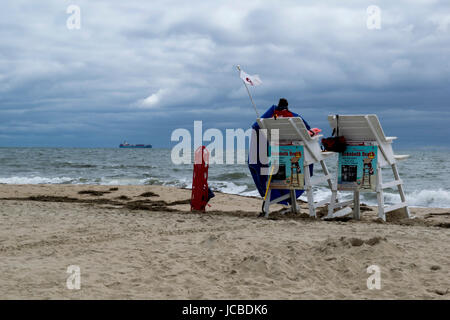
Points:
x=357 y=168
x=290 y=158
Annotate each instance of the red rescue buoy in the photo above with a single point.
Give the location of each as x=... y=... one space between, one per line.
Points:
x=199 y=196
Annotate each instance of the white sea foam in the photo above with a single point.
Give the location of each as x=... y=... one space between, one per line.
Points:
x=253 y=193
x=425 y=198
x=420 y=198
x=321 y=194
x=181 y=182
x=36 y=180
x=227 y=187
x=121 y=181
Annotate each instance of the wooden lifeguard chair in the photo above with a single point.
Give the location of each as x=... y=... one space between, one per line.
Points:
x=367 y=129
x=293 y=130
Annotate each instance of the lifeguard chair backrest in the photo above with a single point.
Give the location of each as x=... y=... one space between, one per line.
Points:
x=366 y=128
x=294 y=129
x=286 y=130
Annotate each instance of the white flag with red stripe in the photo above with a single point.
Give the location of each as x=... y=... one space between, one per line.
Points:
x=253 y=80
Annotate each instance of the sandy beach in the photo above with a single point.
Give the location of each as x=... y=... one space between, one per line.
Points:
x=141 y=242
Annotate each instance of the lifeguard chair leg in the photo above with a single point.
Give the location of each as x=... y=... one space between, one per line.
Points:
x=294 y=208
x=380 y=196
x=333 y=201
x=266 y=205
x=400 y=189
x=309 y=192
x=332 y=187
x=334 y=198
x=356 y=205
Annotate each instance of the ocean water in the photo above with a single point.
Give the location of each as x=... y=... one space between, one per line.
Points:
x=426 y=174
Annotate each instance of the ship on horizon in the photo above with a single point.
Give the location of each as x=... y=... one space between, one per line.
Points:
x=127 y=145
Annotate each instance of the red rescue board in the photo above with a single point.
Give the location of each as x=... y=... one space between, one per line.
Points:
x=199 y=196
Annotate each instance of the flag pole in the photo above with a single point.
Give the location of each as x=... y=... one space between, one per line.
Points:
x=249 y=94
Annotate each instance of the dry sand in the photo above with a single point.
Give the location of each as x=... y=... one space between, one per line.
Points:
x=134 y=247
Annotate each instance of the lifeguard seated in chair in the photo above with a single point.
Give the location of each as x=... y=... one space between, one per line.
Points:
x=282 y=111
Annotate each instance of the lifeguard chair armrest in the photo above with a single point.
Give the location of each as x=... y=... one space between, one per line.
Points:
x=401 y=156
x=389 y=139
x=327 y=154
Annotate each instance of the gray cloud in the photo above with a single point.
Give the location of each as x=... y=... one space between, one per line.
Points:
x=138 y=70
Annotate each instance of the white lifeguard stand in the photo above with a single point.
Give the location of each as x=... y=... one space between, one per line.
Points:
x=293 y=130
x=367 y=128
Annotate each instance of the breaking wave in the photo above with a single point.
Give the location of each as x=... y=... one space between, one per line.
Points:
x=420 y=198
x=36 y=180
x=426 y=198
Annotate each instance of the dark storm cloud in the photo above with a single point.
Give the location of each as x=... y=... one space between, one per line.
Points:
x=137 y=70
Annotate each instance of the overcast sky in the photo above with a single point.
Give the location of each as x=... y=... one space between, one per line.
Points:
x=137 y=70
